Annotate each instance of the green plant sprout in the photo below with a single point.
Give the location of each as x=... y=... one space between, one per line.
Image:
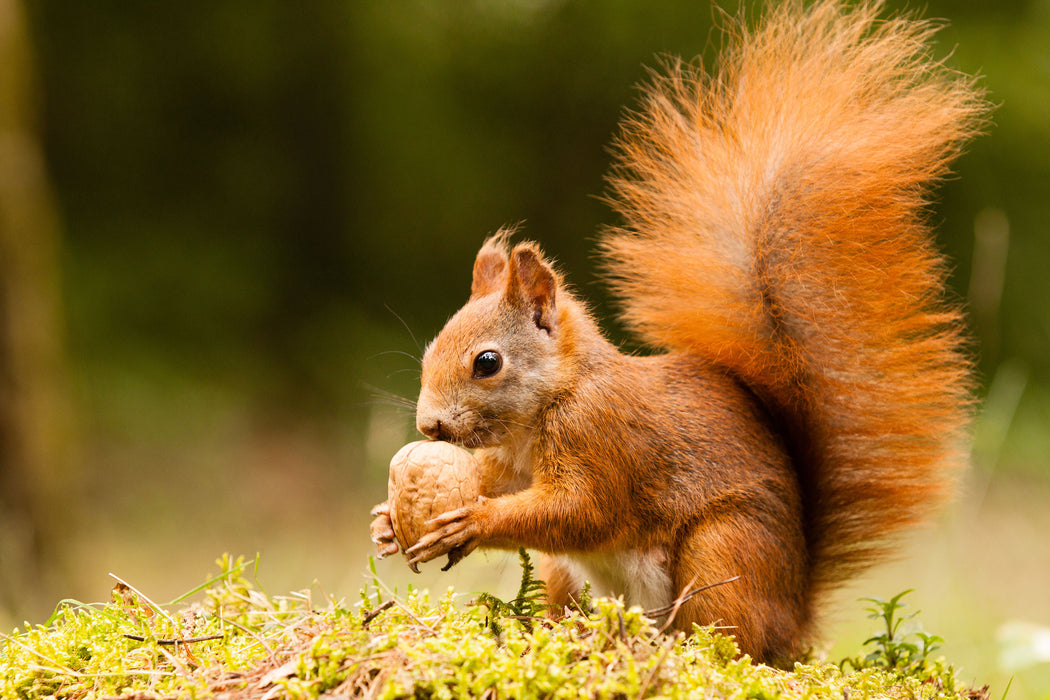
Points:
x=896 y=648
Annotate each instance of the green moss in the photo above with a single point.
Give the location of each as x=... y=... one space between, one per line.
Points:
x=239 y=640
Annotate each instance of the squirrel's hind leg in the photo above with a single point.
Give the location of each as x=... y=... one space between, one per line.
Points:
x=769 y=623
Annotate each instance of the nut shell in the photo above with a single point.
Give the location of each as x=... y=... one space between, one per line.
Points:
x=428 y=478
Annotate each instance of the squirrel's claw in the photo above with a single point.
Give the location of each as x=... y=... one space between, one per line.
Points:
x=382 y=531
x=454 y=533
x=451 y=516
x=454 y=557
x=385 y=548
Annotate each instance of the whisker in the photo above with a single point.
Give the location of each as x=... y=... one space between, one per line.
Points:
x=507 y=422
x=400 y=411
x=390 y=397
x=415 y=372
x=402 y=408
x=410 y=333
x=397 y=352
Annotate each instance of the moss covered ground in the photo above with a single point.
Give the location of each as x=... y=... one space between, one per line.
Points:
x=229 y=639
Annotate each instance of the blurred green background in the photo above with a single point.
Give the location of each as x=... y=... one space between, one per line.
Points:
x=226 y=227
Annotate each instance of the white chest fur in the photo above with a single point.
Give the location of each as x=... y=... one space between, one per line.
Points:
x=640 y=576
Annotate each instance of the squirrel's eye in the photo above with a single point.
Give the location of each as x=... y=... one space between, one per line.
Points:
x=487 y=363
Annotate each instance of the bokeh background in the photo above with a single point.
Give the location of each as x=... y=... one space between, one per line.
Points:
x=227 y=228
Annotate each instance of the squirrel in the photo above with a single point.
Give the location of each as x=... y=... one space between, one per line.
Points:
x=810 y=389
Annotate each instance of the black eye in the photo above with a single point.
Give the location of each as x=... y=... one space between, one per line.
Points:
x=487 y=363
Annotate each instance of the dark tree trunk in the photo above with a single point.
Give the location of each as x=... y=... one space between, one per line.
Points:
x=34 y=413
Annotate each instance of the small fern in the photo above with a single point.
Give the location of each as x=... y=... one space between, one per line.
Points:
x=531 y=601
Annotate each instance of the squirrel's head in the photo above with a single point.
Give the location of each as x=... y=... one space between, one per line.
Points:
x=500 y=360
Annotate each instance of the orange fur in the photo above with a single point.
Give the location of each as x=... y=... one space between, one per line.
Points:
x=791 y=189
x=812 y=390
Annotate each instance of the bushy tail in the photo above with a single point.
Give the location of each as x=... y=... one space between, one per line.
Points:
x=774 y=223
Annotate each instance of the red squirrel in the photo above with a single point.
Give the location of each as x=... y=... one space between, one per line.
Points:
x=810 y=390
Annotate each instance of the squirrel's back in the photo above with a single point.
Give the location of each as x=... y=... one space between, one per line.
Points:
x=774 y=223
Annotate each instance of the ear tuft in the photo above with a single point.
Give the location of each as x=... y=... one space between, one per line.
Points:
x=532 y=282
x=490 y=265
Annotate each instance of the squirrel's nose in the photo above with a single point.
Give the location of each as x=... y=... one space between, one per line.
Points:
x=431 y=427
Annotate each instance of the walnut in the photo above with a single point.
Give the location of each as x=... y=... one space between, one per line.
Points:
x=428 y=478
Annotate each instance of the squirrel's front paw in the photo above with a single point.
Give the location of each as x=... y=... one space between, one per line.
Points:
x=382 y=531
x=456 y=533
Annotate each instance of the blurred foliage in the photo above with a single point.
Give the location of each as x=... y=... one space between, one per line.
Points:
x=253 y=193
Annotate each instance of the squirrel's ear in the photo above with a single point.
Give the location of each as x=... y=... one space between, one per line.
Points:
x=532 y=282
x=490 y=267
